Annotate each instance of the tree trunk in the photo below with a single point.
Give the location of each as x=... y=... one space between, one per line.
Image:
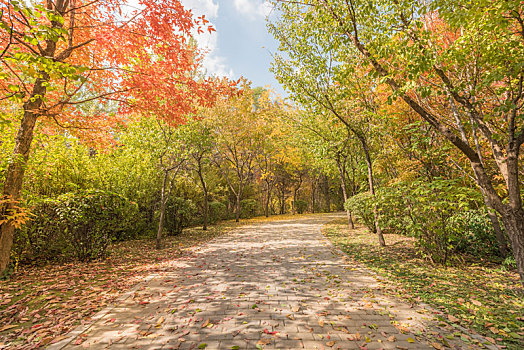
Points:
x=351 y=225
x=237 y=210
x=16 y=169
x=371 y=181
x=206 y=199
x=313 y=189
x=325 y=190
x=206 y=210
x=282 y=201
x=513 y=221
x=163 y=201
x=293 y=205
x=268 y=198
x=501 y=239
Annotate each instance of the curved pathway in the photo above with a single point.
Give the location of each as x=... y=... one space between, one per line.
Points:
x=273 y=285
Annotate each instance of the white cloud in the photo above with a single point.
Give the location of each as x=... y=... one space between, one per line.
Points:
x=202 y=7
x=253 y=9
x=213 y=63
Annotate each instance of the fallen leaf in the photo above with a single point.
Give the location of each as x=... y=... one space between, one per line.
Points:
x=355 y=336
x=476 y=302
x=330 y=343
x=491 y=340
x=453 y=318
x=264 y=341
x=437 y=346
x=5 y=328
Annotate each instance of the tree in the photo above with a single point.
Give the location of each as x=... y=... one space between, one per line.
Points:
x=51 y=55
x=234 y=122
x=197 y=136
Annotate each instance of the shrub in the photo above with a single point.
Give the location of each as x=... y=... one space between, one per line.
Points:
x=91 y=220
x=361 y=206
x=41 y=238
x=217 y=212
x=248 y=208
x=473 y=233
x=391 y=203
x=437 y=213
x=80 y=224
x=179 y=214
x=301 y=206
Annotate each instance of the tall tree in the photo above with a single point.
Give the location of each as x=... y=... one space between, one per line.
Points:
x=236 y=133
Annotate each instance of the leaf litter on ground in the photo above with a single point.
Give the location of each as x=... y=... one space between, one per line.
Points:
x=39 y=304
x=477 y=295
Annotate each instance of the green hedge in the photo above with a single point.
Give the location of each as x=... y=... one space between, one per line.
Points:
x=79 y=224
x=180 y=213
x=217 y=212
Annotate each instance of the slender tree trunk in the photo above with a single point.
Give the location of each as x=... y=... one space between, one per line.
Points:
x=371 y=181
x=237 y=210
x=293 y=207
x=325 y=189
x=501 y=239
x=206 y=199
x=313 y=189
x=206 y=210
x=163 y=201
x=16 y=169
x=268 y=198
x=282 y=201
x=351 y=225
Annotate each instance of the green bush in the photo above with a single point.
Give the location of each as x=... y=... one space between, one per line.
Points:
x=391 y=203
x=75 y=224
x=91 y=220
x=301 y=206
x=437 y=213
x=217 y=212
x=179 y=214
x=40 y=239
x=361 y=206
x=248 y=208
x=473 y=233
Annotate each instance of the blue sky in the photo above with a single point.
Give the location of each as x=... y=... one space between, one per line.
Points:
x=241 y=45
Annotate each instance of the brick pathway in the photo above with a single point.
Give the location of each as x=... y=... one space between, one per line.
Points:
x=275 y=285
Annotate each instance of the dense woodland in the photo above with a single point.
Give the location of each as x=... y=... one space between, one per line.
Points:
x=405 y=114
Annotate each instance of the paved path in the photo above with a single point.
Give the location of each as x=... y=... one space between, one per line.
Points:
x=275 y=285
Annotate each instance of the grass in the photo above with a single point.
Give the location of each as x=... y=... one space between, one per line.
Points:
x=39 y=304
x=480 y=296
